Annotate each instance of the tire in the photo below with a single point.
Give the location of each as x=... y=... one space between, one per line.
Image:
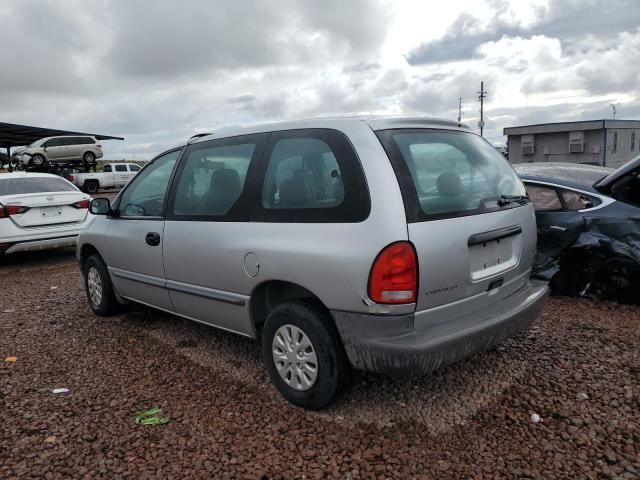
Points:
x=89 y=158
x=332 y=369
x=91 y=187
x=37 y=162
x=97 y=277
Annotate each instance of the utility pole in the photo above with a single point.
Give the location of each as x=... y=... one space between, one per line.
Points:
x=459 y=109
x=481 y=98
x=613 y=107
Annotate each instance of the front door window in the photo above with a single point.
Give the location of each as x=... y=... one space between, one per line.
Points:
x=145 y=197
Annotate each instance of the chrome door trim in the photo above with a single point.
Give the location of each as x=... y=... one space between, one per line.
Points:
x=210 y=293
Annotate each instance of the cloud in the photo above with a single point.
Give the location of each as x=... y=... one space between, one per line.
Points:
x=174 y=38
x=40 y=42
x=571 y=21
x=461 y=41
x=437 y=95
x=158 y=72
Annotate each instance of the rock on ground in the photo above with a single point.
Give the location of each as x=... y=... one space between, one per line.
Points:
x=578 y=368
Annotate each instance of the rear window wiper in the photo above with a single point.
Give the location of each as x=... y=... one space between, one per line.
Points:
x=507 y=199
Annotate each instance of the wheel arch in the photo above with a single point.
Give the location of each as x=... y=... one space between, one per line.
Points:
x=86 y=251
x=269 y=294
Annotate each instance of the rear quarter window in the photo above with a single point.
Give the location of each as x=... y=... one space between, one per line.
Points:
x=578 y=201
x=544 y=198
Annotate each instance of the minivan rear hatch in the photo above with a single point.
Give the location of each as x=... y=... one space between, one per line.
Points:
x=469 y=218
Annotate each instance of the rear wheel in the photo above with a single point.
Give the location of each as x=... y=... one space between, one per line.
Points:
x=91 y=187
x=89 y=158
x=97 y=282
x=304 y=355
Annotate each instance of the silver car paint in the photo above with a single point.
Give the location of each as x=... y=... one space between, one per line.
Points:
x=59 y=153
x=202 y=264
x=331 y=260
x=136 y=268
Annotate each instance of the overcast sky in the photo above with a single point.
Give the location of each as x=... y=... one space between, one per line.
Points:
x=158 y=71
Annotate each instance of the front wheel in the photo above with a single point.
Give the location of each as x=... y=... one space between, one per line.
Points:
x=37 y=162
x=97 y=283
x=304 y=356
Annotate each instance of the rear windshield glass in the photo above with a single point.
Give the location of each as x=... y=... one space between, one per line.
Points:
x=16 y=186
x=445 y=173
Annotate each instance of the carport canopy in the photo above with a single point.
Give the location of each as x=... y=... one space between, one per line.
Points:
x=12 y=135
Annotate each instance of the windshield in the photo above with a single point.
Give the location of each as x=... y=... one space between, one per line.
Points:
x=17 y=185
x=34 y=143
x=449 y=173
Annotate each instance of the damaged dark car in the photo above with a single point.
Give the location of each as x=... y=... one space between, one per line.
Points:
x=588 y=228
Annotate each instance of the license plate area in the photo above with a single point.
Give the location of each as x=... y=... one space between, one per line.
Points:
x=490 y=258
x=49 y=212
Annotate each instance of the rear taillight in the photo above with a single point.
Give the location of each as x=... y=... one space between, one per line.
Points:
x=9 y=210
x=71 y=178
x=81 y=204
x=394 y=275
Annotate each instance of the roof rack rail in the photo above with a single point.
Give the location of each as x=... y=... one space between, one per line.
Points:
x=198 y=135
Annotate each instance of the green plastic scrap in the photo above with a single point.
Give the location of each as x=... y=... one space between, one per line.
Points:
x=151 y=417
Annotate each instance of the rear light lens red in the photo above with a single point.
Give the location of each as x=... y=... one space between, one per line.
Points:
x=13 y=210
x=71 y=178
x=6 y=212
x=81 y=204
x=394 y=275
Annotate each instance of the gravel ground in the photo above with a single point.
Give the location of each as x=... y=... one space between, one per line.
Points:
x=578 y=368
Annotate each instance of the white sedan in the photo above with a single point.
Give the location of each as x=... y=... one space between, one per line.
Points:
x=40 y=211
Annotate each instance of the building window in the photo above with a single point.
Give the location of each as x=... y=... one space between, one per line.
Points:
x=633 y=141
x=615 y=141
x=527 y=145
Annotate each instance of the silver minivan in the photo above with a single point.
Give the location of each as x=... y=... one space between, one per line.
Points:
x=396 y=245
x=79 y=149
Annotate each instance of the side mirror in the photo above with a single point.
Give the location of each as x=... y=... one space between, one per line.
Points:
x=100 y=206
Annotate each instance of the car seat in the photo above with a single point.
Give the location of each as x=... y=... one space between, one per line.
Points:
x=224 y=189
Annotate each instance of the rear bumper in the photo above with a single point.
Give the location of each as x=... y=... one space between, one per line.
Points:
x=390 y=344
x=40 y=244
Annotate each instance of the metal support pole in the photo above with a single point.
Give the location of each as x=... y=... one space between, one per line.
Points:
x=481 y=98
